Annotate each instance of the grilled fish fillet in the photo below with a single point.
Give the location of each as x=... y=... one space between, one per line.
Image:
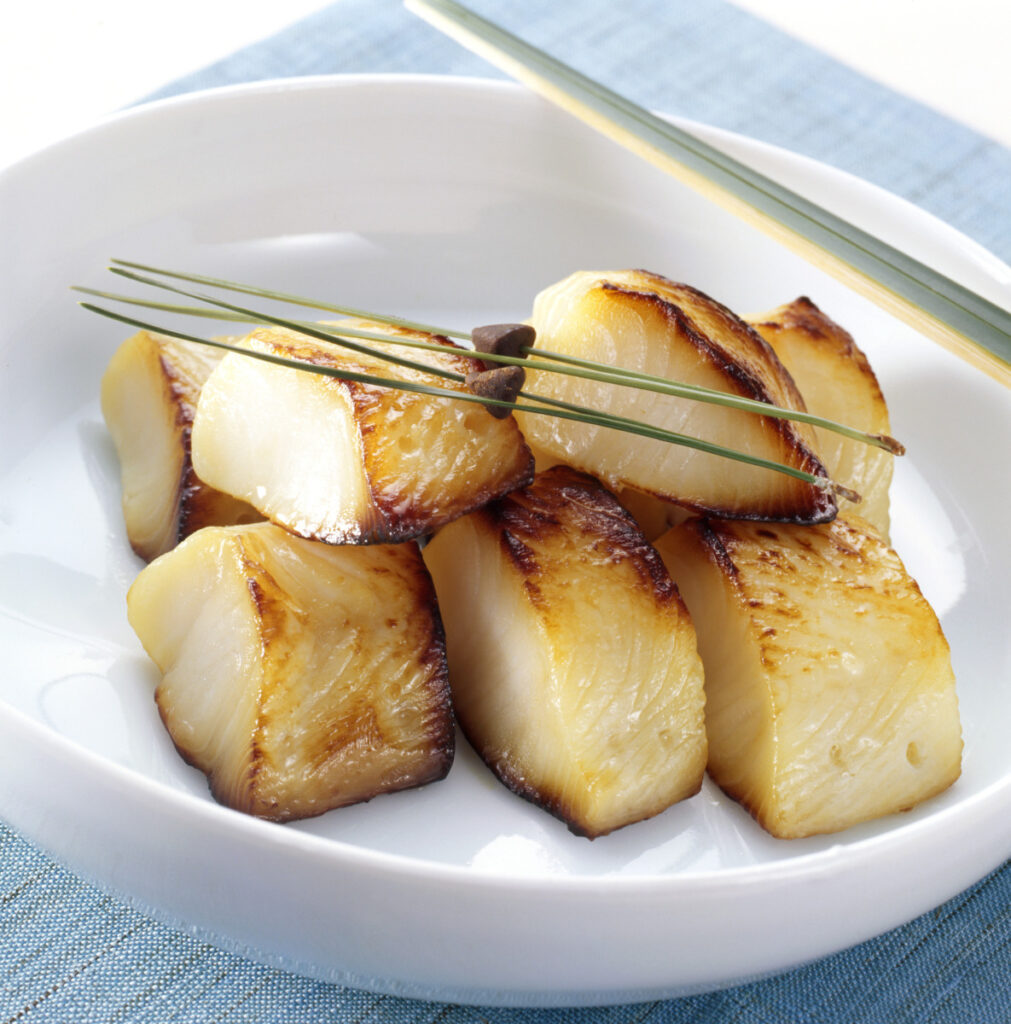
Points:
x=345 y=462
x=297 y=676
x=149 y=396
x=830 y=697
x=643 y=322
x=837 y=382
x=572 y=659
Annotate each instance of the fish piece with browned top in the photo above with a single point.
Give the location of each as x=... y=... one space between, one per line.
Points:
x=150 y=391
x=640 y=321
x=830 y=696
x=297 y=676
x=572 y=659
x=347 y=462
x=837 y=382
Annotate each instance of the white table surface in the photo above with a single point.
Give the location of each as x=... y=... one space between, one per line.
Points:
x=65 y=63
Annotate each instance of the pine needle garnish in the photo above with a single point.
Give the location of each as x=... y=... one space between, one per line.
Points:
x=559 y=410
x=532 y=358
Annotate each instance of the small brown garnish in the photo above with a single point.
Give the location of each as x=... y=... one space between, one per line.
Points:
x=502 y=385
x=503 y=340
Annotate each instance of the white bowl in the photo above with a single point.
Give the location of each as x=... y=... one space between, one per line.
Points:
x=453 y=201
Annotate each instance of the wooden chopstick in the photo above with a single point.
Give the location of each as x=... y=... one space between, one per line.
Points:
x=970 y=326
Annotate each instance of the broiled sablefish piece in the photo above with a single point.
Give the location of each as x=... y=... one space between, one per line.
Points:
x=297 y=676
x=830 y=697
x=572 y=659
x=837 y=383
x=643 y=322
x=149 y=396
x=346 y=462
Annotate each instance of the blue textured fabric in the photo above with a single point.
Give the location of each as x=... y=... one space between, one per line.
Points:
x=71 y=955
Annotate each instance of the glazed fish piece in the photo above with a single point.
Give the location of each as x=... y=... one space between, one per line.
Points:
x=149 y=397
x=837 y=383
x=350 y=463
x=830 y=697
x=643 y=322
x=572 y=659
x=297 y=676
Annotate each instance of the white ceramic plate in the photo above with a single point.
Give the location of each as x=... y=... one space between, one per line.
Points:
x=454 y=201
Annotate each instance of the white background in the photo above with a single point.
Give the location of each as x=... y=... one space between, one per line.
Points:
x=65 y=64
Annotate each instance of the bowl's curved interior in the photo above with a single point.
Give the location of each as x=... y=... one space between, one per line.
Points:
x=454 y=202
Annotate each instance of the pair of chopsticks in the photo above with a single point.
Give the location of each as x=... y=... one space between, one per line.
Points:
x=965 y=323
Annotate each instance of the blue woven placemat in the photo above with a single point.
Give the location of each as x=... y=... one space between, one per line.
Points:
x=72 y=955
